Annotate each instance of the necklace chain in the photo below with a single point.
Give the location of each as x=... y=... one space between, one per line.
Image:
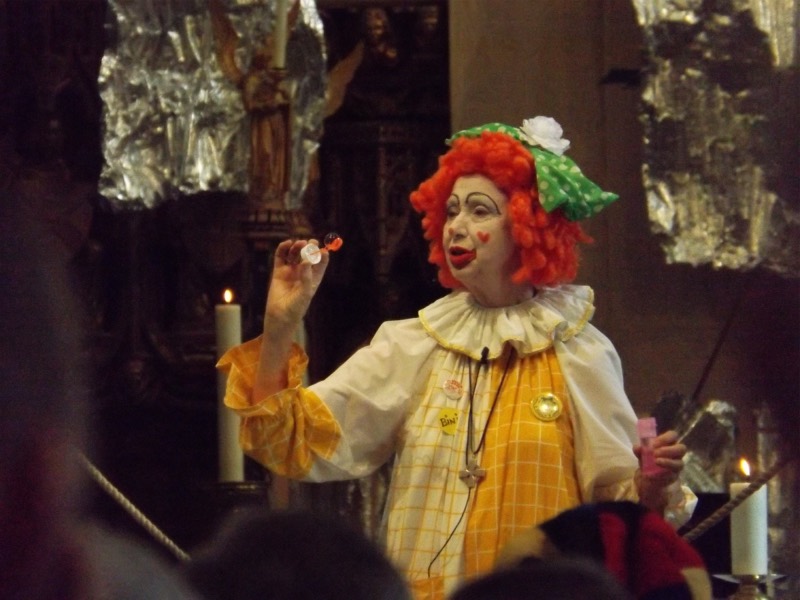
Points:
x=473 y=472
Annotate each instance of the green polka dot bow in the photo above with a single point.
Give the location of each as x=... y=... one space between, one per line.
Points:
x=561 y=182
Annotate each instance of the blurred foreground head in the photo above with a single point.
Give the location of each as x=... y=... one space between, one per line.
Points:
x=634 y=544
x=49 y=549
x=41 y=409
x=554 y=579
x=260 y=555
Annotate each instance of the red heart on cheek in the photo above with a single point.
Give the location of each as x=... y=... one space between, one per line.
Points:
x=483 y=236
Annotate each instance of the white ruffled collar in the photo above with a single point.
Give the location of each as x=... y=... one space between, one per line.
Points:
x=459 y=323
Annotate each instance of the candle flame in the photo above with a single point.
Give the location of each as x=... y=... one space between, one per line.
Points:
x=227 y=295
x=744 y=467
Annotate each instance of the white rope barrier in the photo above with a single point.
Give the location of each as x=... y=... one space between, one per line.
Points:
x=134 y=512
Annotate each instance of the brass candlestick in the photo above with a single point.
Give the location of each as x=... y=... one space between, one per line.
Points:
x=750 y=588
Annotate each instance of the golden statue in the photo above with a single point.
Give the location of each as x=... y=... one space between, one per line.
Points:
x=266 y=97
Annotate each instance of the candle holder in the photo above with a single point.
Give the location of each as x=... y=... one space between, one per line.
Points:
x=749 y=586
x=227 y=497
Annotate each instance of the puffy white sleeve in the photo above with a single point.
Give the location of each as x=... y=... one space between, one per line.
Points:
x=604 y=422
x=605 y=425
x=369 y=395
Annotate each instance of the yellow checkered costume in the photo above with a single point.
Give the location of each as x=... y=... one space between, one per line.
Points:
x=396 y=399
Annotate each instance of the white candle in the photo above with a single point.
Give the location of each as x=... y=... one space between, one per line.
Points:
x=228 y=319
x=281 y=34
x=749 y=533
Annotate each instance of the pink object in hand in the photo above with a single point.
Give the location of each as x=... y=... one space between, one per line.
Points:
x=647 y=430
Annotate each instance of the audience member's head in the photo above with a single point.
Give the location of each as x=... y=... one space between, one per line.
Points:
x=636 y=545
x=262 y=555
x=555 y=579
x=118 y=567
x=47 y=550
x=41 y=411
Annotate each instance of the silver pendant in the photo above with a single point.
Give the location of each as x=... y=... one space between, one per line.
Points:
x=473 y=474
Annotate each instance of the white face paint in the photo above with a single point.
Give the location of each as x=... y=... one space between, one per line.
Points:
x=477 y=240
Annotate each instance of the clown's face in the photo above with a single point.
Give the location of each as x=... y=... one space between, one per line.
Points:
x=477 y=241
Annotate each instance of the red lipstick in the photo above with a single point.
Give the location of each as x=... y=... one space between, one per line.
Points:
x=460 y=257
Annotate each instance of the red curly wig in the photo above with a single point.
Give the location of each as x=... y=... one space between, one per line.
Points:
x=547 y=242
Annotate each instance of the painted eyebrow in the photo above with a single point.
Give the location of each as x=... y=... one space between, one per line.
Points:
x=473 y=195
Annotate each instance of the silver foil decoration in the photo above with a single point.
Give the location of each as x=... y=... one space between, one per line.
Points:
x=173 y=124
x=720 y=166
x=709 y=432
x=710 y=440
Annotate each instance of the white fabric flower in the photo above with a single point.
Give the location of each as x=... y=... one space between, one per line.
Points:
x=544 y=132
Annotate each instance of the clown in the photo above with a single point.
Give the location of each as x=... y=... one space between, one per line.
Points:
x=500 y=405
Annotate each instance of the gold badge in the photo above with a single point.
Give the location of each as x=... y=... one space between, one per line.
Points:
x=448 y=420
x=546 y=407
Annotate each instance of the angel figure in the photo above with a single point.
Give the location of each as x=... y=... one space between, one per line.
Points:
x=266 y=97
